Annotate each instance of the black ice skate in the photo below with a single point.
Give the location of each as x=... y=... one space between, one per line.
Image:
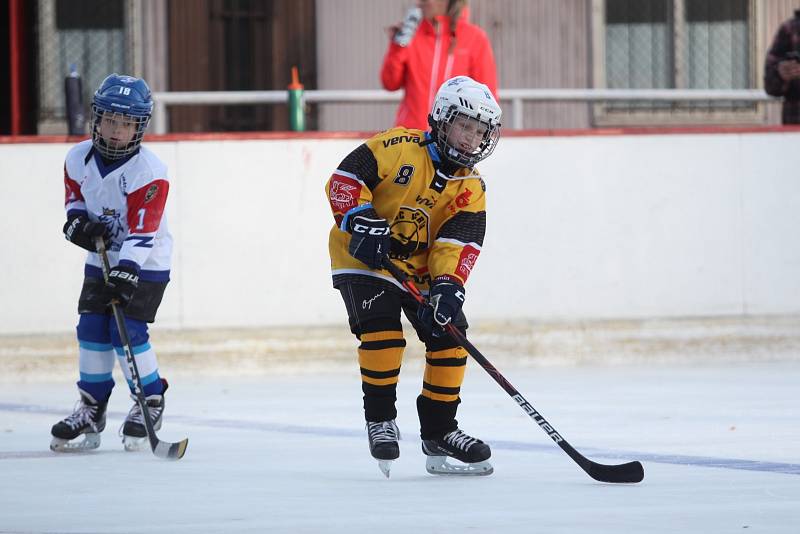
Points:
x=471 y=451
x=134 y=433
x=383 y=437
x=89 y=419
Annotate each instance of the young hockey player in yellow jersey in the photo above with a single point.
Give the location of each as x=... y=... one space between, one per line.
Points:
x=416 y=198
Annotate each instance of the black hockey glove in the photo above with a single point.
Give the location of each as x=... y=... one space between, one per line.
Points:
x=80 y=231
x=121 y=285
x=370 y=240
x=444 y=302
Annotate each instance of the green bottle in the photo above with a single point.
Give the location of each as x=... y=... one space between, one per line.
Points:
x=297 y=115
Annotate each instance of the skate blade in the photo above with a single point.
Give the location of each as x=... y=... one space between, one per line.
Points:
x=133 y=444
x=90 y=442
x=385 y=466
x=438 y=465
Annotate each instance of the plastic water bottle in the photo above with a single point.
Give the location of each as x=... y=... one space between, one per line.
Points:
x=408 y=27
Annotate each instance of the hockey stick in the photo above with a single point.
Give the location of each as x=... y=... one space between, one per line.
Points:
x=162 y=449
x=628 y=472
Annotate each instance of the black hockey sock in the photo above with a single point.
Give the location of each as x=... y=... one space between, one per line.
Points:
x=436 y=418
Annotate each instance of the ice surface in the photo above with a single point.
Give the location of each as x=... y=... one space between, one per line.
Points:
x=287 y=453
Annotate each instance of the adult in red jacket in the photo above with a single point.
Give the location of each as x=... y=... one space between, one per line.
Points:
x=420 y=58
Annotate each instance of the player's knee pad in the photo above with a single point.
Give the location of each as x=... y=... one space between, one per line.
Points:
x=379 y=357
x=94 y=328
x=137 y=333
x=444 y=374
x=436 y=344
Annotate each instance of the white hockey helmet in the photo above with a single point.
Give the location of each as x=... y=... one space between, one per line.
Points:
x=465 y=99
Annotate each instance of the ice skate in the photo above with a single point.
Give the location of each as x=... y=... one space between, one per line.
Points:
x=89 y=419
x=133 y=432
x=383 y=437
x=472 y=453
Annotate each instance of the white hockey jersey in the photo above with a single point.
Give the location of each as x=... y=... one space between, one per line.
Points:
x=129 y=198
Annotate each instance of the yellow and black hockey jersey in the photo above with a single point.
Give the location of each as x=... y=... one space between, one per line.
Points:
x=437 y=221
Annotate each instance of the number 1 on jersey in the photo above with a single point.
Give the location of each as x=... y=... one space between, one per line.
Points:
x=141 y=219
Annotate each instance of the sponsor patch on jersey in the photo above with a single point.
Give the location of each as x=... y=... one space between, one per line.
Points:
x=344 y=193
x=461 y=200
x=109 y=212
x=400 y=139
x=469 y=255
x=152 y=191
x=427 y=202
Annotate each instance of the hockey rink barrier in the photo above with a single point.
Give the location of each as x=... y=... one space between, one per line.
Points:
x=604 y=226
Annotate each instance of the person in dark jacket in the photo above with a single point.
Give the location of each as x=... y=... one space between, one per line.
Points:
x=782 y=69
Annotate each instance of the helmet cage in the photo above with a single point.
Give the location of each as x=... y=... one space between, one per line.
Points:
x=446 y=128
x=121 y=98
x=108 y=151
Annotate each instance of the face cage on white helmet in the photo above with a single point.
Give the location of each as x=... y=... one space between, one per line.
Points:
x=115 y=153
x=445 y=128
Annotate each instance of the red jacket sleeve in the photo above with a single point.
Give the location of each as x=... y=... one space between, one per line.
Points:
x=393 y=70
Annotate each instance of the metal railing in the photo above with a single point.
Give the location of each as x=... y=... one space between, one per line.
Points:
x=517 y=97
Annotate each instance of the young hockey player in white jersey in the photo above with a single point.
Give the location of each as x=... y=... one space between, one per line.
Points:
x=417 y=198
x=116 y=189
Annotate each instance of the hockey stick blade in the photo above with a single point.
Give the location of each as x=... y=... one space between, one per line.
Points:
x=627 y=473
x=631 y=472
x=171 y=451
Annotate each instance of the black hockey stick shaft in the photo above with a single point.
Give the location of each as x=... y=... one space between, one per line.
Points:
x=162 y=449
x=621 y=473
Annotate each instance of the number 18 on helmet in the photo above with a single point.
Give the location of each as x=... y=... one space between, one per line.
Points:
x=121 y=110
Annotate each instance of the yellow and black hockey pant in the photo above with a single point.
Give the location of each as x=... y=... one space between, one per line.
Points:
x=374 y=317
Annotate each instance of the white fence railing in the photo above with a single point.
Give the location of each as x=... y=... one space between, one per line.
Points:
x=516 y=96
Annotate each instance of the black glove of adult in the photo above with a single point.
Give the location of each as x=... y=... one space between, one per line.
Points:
x=82 y=232
x=121 y=285
x=444 y=302
x=370 y=240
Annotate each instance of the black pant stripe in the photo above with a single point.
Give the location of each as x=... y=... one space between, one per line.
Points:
x=383 y=344
x=380 y=374
x=446 y=362
x=441 y=389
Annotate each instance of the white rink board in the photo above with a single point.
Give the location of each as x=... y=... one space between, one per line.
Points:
x=578 y=227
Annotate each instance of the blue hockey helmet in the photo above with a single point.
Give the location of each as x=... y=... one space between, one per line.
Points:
x=121 y=98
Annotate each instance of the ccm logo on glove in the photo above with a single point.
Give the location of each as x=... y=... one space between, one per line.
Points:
x=370 y=240
x=371 y=230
